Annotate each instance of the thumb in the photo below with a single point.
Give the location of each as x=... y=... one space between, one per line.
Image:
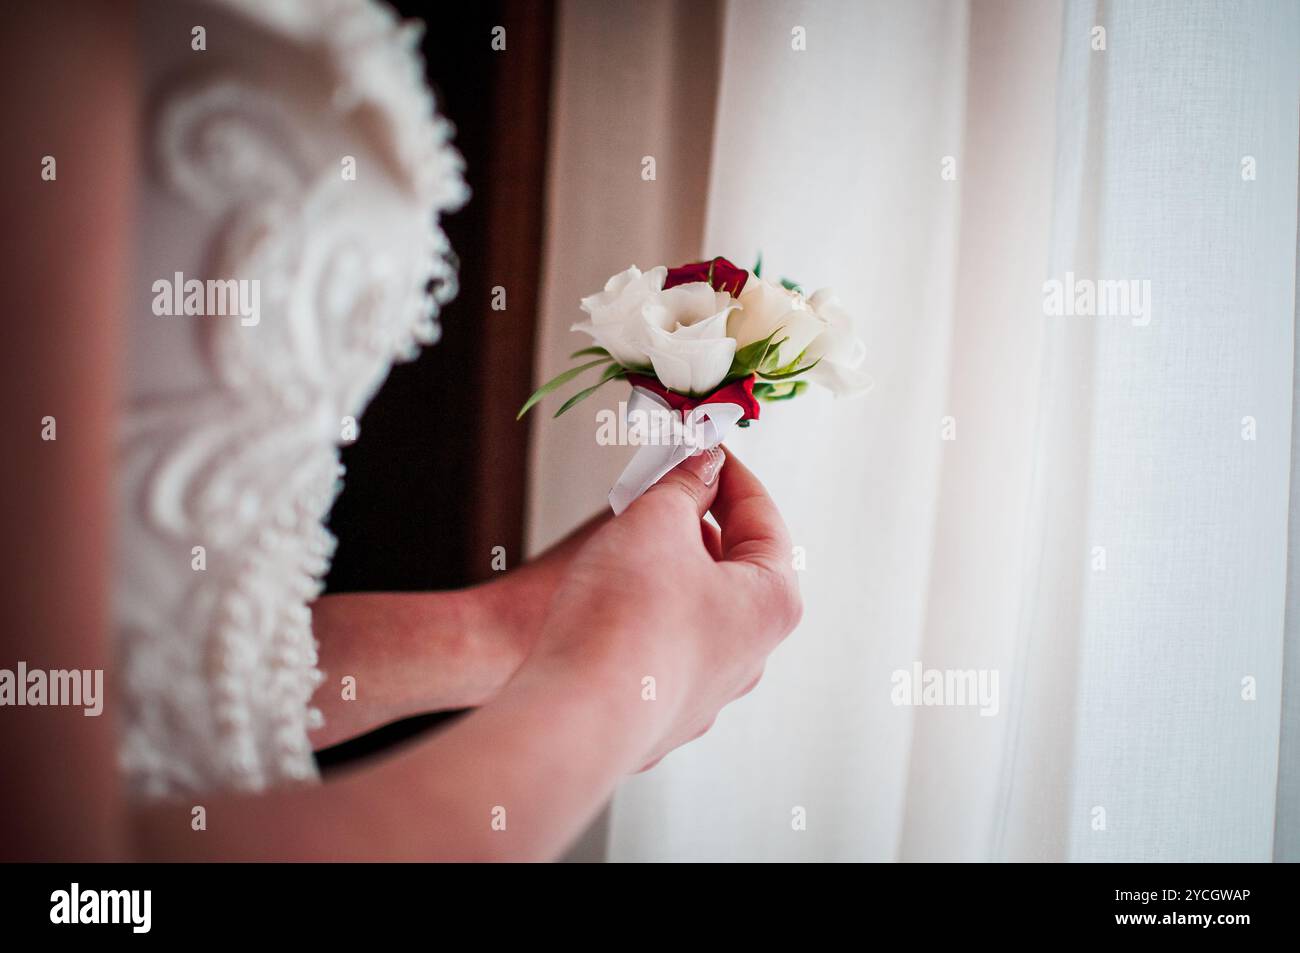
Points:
x=691 y=485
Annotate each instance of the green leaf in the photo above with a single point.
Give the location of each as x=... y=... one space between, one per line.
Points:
x=784 y=374
x=750 y=357
x=789 y=285
x=758 y=266
x=613 y=372
x=593 y=351
x=769 y=365
x=790 y=369
x=555 y=382
x=785 y=391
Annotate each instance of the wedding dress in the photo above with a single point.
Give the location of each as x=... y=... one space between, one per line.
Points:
x=295 y=144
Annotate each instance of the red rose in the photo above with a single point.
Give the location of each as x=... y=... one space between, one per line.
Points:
x=739 y=392
x=720 y=273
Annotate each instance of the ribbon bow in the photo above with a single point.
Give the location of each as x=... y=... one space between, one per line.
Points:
x=671 y=436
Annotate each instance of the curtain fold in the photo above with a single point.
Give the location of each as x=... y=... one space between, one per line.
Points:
x=829 y=162
x=1179 y=662
x=631 y=81
x=1090 y=507
x=1286 y=832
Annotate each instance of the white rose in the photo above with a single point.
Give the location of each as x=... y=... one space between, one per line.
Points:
x=766 y=307
x=838 y=351
x=617 y=322
x=689 y=346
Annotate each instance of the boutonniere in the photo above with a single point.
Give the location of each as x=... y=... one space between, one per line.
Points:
x=702 y=345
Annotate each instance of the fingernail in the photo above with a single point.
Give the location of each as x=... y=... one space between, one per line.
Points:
x=706 y=465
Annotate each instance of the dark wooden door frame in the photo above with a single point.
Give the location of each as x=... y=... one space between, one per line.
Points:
x=516 y=209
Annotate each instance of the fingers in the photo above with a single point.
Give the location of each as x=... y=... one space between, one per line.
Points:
x=712 y=539
x=753 y=684
x=752 y=527
x=677 y=743
x=689 y=486
x=756 y=546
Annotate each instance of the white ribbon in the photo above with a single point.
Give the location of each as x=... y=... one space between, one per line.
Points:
x=671 y=436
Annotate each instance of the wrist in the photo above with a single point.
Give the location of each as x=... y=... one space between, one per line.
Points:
x=414 y=652
x=487 y=650
x=625 y=680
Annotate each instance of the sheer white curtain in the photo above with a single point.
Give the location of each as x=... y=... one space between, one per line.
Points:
x=1092 y=507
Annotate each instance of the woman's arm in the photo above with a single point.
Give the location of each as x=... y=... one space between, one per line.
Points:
x=520 y=777
x=390 y=655
x=646 y=595
x=411 y=653
x=539 y=761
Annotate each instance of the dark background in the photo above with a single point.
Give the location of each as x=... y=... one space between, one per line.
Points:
x=437 y=476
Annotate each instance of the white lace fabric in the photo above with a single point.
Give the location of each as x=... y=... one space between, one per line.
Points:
x=229 y=432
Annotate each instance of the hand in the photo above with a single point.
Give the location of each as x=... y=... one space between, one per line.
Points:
x=416 y=652
x=509 y=611
x=658 y=592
